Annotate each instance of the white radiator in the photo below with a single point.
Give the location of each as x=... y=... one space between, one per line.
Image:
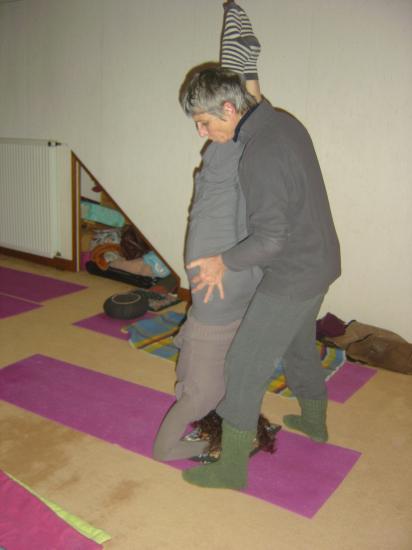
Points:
x=35 y=197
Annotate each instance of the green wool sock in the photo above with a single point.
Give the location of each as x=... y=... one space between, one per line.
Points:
x=312 y=421
x=240 y=47
x=230 y=471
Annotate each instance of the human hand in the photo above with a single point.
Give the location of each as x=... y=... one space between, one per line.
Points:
x=211 y=271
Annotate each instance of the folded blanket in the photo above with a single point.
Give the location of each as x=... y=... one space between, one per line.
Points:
x=146 y=331
x=163 y=348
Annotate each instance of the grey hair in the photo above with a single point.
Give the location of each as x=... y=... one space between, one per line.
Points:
x=208 y=90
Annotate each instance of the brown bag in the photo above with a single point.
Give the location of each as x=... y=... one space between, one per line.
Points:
x=375 y=346
x=383 y=352
x=356 y=331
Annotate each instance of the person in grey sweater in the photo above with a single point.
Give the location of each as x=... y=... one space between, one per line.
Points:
x=292 y=238
x=217 y=222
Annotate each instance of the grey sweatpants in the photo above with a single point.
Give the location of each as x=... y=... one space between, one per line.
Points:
x=199 y=388
x=273 y=328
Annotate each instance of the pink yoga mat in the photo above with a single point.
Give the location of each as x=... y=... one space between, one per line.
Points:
x=348 y=380
x=33 y=287
x=10 y=306
x=107 y=325
x=28 y=524
x=300 y=476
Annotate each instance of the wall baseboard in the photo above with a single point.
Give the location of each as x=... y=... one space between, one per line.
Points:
x=59 y=263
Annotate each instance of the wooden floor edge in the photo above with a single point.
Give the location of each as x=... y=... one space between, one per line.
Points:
x=59 y=263
x=184 y=294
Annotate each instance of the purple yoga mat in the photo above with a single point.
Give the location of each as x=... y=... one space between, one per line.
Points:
x=34 y=287
x=300 y=476
x=26 y=522
x=348 y=380
x=10 y=306
x=107 y=325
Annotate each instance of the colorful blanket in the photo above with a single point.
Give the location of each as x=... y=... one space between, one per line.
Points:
x=145 y=332
x=331 y=358
x=163 y=348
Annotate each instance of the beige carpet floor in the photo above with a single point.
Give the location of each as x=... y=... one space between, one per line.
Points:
x=145 y=505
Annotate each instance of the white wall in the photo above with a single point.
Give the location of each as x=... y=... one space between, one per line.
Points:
x=103 y=76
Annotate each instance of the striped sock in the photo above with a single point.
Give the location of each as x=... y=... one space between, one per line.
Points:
x=240 y=47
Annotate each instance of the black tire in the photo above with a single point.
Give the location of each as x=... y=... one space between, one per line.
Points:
x=126 y=305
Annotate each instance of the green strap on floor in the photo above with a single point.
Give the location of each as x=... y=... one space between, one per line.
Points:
x=84 y=528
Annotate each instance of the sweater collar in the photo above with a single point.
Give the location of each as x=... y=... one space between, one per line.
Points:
x=242 y=121
x=249 y=124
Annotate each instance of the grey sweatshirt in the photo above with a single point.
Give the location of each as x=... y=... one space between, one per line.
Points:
x=217 y=221
x=291 y=234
